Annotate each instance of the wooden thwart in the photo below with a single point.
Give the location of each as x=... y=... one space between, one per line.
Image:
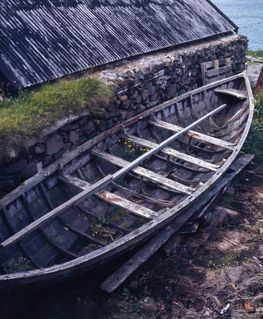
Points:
x=153 y=177
x=172 y=152
x=112 y=198
x=241 y=95
x=193 y=134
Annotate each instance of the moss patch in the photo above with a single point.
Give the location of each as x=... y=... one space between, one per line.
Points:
x=32 y=111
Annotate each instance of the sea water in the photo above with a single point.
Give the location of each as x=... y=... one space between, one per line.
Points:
x=248 y=15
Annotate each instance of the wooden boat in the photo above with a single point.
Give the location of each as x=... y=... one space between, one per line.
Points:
x=119 y=188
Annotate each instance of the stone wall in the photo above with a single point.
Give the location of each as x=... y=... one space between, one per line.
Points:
x=138 y=84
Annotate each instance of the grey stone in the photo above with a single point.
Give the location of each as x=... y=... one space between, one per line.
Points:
x=172 y=91
x=6 y=185
x=149 y=306
x=16 y=167
x=73 y=137
x=145 y=94
x=235 y=274
x=40 y=148
x=71 y=127
x=54 y=144
x=89 y=127
x=123 y=98
x=29 y=170
x=151 y=90
x=139 y=99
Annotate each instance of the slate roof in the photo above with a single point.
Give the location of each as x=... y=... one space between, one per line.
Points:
x=42 y=40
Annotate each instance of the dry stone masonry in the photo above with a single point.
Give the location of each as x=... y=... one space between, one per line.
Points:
x=138 y=84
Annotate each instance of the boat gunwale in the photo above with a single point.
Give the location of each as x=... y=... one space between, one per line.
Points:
x=159 y=221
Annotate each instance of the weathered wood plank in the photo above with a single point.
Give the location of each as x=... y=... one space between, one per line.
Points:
x=122 y=273
x=153 y=177
x=219 y=71
x=170 y=151
x=92 y=189
x=112 y=198
x=241 y=95
x=194 y=134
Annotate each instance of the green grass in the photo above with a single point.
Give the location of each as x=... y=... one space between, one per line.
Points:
x=30 y=112
x=255 y=54
x=254 y=142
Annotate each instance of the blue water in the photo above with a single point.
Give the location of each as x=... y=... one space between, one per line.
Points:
x=248 y=15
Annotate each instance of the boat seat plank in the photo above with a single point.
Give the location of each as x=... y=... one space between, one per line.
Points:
x=112 y=198
x=152 y=176
x=241 y=95
x=172 y=152
x=193 y=134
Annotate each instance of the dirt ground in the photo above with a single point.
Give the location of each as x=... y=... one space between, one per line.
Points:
x=215 y=273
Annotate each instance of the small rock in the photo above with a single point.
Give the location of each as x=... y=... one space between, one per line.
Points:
x=89 y=127
x=134 y=285
x=16 y=167
x=54 y=144
x=145 y=94
x=7 y=185
x=123 y=98
x=235 y=274
x=249 y=307
x=149 y=306
x=40 y=148
x=73 y=137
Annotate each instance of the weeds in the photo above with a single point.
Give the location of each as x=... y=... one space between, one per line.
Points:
x=17 y=265
x=256 y=53
x=132 y=150
x=254 y=142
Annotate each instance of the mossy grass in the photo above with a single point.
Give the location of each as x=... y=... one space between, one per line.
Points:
x=254 y=142
x=31 y=111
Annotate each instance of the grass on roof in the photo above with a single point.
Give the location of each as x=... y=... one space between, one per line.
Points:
x=30 y=112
